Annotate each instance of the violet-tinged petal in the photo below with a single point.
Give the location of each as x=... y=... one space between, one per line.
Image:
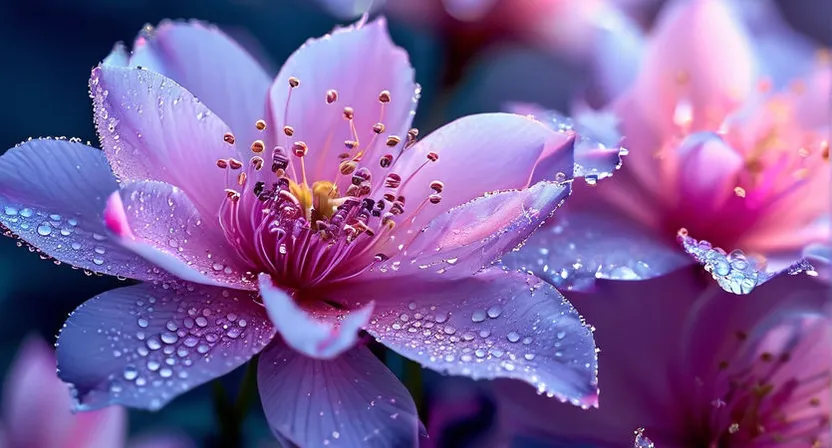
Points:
x=737 y=272
x=321 y=335
x=349 y=68
x=697 y=67
x=52 y=194
x=150 y=128
x=469 y=237
x=210 y=65
x=708 y=170
x=617 y=53
x=352 y=400
x=581 y=246
x=157 y=221
x=102 y=428
x=496 y=324
x=477 y=154
x=597 y=151
x=819 y=255
x=143 y=345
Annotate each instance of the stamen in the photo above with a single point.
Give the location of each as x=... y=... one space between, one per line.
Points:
x=222 y=163
x=260 y=125
x=258 y=146
x=257 y=163
x=235 y=164
x=384 y=96
x=393 y=140
x=378 y=128
x=288 y=130
x=293 y=82
x=331 y=96
x=386 y=160
x=229 y=138
x=241 y=178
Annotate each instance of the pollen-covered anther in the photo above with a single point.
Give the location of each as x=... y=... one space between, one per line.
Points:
x=435 y=198
x=347 y=167
x=378 y=128
x=260 y=125
x=392 y=180
x=232 y=194
x=241 y=178
x=412 y=134
x=385 y=160
x=257 y=162
x=222 y=163
x=384 y=96
x=280 y=160
x=293 y=82
x=739 y=191
x=362 y=175
x=235 y=164
x=288 y=130
x=437 y=186
x=349 y=113
x=299 y=149
x=228 y=138
x=393 y=140
x=258 y=146
x=432 y=156
x=331 y=96
x=350 y=144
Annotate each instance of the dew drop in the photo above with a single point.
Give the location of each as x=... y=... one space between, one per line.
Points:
x=512 y=336
x=130 y=373
x=494 y=312
x=44 y=229
x=478 y=316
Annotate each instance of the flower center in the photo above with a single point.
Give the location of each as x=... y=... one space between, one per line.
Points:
x=307 y=232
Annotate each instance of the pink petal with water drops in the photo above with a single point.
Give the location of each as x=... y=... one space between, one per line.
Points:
x=143 y=345
x=473 y=155
x=209 y=64
x=149 y=126
x=346 y=83
x=469 y=237
x=157 y=221
x=52 y=194
x=320 y=333
x=496 y=324
x=352 y=400
x=37 y=407
x=697 y=67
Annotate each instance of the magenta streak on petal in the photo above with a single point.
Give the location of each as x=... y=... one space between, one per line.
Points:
x=116 y=219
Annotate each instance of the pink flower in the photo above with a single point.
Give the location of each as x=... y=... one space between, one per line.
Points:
x=695 y=366
x=305 y=207
x=37 y=410
x=722 y=148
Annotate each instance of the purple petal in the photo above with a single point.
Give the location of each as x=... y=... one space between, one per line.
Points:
x=150 y=127
x=616 y=56
x=735 y=271
x=496 y=324
x=52 y=193
x=352 y=400
x=158 y=222
x=143 y=345
x=358 y=63
x=321 y=335
x=481 y=154
x=471 y=236
x=210 y=65
x=580 y=247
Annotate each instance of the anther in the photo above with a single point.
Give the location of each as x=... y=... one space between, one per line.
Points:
x=331 y=96
x=293 y=82
x=739 y=191
x=241 y=178
x=378 y=128
x=299 y=149
x=235 y=164
x=260 y=125
x=233 y=195
x=347 y=167
x=288 y=130
x=258 y=146
x=393 y=141
x=360 y=176
x=349 y=113
x=380 y=257
x=258 y=188
x=435 y=198
x=257 y=162
x=389 y=197
x=392 y=180
x=386 y=160
x=432 y=156
x=280 y=159
x=350 y=144
x=228 y=138
x=384 y=96
x=437 y=186
x=222 y=163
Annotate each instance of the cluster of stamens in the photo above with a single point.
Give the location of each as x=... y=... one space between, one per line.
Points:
x=304 y=233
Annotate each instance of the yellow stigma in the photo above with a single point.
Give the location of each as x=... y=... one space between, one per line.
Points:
x=318 y=202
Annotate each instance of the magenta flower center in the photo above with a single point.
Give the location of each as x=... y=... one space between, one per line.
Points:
x=309 y=232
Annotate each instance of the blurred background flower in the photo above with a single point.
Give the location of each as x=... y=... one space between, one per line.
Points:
x=474 y=58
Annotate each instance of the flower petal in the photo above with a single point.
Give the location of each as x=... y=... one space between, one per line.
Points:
x=210 y=65
x=358 y=62
x=157 y=221
x=480 y=154
x=143 y=345
x=52 y=193
x=472 y=236
x=581 y=246
x=321 y=335
x=699 y=57
x=153 y=129
x=352 y=400
x=708 y=170
x=735 y=271
x=496 y=324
